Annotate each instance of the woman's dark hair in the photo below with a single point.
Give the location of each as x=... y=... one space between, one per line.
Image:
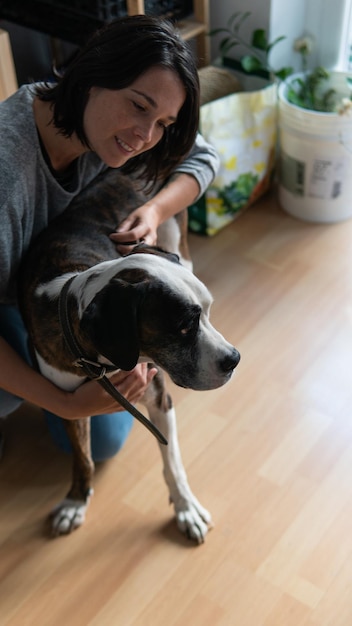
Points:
x=113 y=59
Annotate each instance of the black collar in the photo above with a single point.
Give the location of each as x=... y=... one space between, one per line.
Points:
x=95 y=370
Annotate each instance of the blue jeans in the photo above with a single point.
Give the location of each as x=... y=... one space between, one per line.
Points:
x=108 y=432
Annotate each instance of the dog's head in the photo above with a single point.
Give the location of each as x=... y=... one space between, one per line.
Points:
x=157 y=310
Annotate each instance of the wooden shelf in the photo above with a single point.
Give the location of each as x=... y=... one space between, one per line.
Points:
x=194 y=27
x=8 y=80
x=190 y=28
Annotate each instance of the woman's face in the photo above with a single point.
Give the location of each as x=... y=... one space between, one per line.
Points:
x=119 y=124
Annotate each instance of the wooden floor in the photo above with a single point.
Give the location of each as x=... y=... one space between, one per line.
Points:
x=270 y=455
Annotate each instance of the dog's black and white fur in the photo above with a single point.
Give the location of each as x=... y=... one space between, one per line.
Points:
x=145 y=306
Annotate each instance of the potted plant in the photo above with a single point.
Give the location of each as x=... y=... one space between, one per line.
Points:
x=314 y=124
x=315 y=130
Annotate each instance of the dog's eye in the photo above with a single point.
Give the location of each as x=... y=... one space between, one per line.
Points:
x=189 y=322
x=189 y=329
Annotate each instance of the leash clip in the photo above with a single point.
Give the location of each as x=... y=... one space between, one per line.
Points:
x=87 y=364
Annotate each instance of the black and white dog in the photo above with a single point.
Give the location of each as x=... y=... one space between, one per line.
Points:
x=145 y=306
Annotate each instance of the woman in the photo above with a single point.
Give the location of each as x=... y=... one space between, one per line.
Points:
x=129 y=100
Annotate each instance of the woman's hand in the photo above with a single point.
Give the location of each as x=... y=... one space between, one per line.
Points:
x=179 y=192
x=140 y=226
x=92 y=399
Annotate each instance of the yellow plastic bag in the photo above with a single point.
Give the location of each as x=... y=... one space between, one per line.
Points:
x=242 y=127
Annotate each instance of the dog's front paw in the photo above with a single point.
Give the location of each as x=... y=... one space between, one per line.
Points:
x=193 y=519
x=67 y=516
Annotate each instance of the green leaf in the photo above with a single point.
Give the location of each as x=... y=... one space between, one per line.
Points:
x=283 y=72
x=226 y=45
x=251 y=64
x=242 y=19
x=328 y=101
x=216 y=31
x=321 y=73
x=273 y=43
x=294 y=98
x=298 y=83
x=349 y=82
x=233 y=18
x=259 y=39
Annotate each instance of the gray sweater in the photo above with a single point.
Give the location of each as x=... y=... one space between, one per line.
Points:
x=30 y=196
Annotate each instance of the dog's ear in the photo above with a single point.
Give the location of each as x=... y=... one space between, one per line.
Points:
x=111 y=322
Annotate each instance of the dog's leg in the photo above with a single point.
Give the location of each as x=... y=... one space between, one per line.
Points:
x=70 y=513
x=192 y=518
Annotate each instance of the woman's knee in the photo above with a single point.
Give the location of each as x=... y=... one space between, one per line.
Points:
x=8 y=403
x=12 y=329
x=108 y=433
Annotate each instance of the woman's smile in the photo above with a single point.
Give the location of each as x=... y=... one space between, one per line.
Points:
x=125 y=147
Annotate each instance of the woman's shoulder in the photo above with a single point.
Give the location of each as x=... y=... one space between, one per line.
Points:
x=17 y=127
x=20 y=101
x=17 y=117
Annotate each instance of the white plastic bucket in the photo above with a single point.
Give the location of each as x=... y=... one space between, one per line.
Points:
x=315 y=173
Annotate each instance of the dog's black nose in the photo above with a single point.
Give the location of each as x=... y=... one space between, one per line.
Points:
x=230 y=361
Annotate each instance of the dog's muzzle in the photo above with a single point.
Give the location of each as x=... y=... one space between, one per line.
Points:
x=230 y=361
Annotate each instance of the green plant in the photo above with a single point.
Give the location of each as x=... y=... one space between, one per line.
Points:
x=259 y=46
x=307 y=92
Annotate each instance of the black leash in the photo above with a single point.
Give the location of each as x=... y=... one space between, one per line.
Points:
x=97 y=371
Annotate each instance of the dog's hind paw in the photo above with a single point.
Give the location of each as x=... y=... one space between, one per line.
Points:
x=67 y=516
x=193 y=520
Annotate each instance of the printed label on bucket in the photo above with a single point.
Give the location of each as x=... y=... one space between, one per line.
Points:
x=326 y=178
x=292 y=174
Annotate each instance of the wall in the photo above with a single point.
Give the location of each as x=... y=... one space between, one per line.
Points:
x=327 y=20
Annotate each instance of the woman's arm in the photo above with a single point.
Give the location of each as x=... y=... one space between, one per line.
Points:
x=20 y=379
x=202 y=163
